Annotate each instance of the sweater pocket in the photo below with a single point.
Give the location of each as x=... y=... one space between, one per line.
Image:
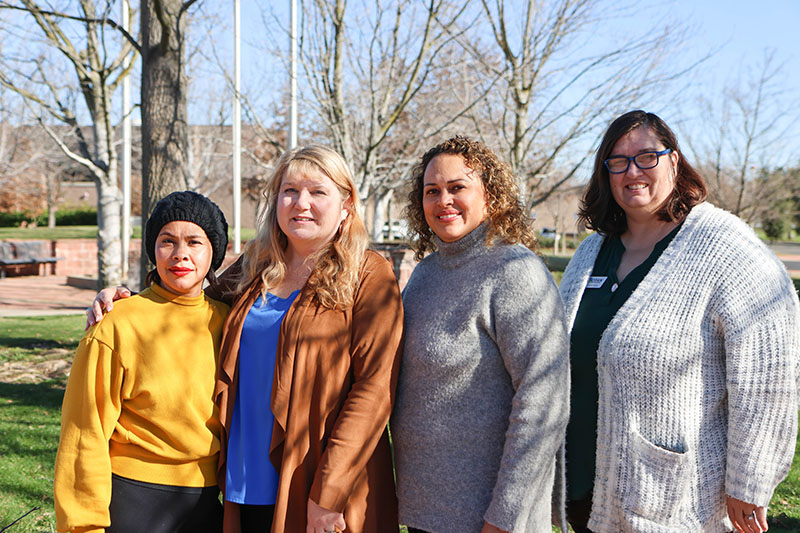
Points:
x=657 y=483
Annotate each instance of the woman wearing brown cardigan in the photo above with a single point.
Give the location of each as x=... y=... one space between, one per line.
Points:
x=337 y=356
x=337 y=353
x=333 y=374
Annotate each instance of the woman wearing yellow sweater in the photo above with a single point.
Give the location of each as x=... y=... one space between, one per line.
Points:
x=139 y=431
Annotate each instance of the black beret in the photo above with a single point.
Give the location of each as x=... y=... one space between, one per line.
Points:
x=190 y=207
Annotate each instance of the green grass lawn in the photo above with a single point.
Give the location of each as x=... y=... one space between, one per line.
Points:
x=34 y=338
x=784 y=512
x=30 y=415
x=30 y=422
x=48 y=234
x=83 y=232
x=795 y=237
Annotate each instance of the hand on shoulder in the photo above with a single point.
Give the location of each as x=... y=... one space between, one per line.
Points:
x=103 y=303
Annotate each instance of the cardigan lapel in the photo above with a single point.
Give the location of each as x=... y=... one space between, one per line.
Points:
x=577 y=275
x=291 y=329
x=227 y=379
x=656 y=277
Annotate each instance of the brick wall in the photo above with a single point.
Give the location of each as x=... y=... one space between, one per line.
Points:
x=80 y=258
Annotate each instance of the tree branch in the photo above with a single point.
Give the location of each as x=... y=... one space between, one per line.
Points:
x=109 y=22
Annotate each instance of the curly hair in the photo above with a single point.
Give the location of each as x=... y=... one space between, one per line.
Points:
x=600 y=212
x=505 y=213
x=334 y=278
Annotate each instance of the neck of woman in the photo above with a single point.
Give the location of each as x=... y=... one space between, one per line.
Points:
x=644 y=232
x=299 y=259
x=298 y=268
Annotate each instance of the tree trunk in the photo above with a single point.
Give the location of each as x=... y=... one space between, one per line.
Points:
x=163 y=96
x=380 y=203
x=51 y=181
x=109 y=242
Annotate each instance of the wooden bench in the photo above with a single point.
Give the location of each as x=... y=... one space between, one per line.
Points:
x=19 y=254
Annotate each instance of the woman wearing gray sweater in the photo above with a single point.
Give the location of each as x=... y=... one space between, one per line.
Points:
x=482 y=401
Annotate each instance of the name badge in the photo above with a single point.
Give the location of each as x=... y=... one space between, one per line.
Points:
x=595 y=282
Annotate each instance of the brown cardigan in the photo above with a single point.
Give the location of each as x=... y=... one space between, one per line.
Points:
x=332 y=394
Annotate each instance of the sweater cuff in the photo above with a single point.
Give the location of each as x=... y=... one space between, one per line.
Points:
x=748 y=488
x=501 y=515
x=333 y=498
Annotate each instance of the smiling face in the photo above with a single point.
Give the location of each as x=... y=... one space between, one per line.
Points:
x=453 y=198
x=642 y=192
x=183 y=256
x=310 y=209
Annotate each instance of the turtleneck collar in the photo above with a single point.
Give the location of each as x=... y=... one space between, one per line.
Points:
x=452 y=254
x=179 y=299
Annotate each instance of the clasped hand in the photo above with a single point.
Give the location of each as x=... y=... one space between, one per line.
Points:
x=321 y=520
x=746 y=517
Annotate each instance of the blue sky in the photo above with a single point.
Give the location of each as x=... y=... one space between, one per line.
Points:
x=740 y=31
x=745 y=28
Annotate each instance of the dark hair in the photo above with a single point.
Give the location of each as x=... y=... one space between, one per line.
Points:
x=506 y=214
x=600 y=212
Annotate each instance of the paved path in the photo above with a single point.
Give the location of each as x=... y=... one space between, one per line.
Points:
x=789 y=253
x=42 y=295
x=785 y=248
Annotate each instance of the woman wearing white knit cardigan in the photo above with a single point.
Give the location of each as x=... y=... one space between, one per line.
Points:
x=684 y=350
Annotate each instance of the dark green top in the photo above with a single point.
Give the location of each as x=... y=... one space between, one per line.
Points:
x=603 y=297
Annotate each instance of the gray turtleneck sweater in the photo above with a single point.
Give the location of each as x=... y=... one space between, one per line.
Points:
x=482 y=401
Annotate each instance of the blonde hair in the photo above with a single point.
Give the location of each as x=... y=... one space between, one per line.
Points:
x=506 y=214
x=334 y=278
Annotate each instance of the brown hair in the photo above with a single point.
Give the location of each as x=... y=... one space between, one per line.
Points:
x=335 y=276
x=600 y=212
x=506 y=214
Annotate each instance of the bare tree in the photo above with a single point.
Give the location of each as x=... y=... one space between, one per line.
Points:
x=365 y=65
x=558 y=88
x=98 y=65
x=740 y=147
x=386 y=77
x=20 y=154
x=210 y=151
x=31 y=165
x=29 y=177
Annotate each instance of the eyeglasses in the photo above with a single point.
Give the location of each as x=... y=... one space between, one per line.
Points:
x=619 y=164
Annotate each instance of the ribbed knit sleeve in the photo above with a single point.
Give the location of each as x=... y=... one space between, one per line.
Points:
x=759 y=320
x=530 y=333
x=91 y=407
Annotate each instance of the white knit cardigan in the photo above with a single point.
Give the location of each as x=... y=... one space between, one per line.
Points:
x=698 y=380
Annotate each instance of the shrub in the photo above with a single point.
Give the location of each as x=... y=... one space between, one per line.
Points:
x=546 y=242
x=13 y=219
x=82 y=216
x=774 y=228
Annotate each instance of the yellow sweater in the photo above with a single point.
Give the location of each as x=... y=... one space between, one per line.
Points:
x=139 y=403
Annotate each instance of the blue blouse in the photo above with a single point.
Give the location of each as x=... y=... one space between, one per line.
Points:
x=250 y=477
